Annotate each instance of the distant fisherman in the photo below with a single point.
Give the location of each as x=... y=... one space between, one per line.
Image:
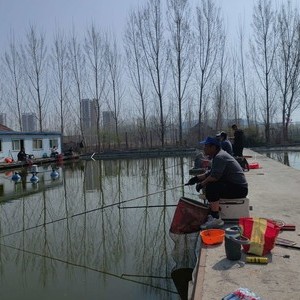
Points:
x=238 y=142
x=225 y=143
x=22 y=156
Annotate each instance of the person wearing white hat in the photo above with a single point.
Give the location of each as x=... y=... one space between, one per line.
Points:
x=225 y=143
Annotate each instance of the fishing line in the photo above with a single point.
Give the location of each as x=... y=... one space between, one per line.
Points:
x=89 y=211
x=122 y=277
x=139 y=197
x=147 y=206
x=146 y=276
x=176 y=165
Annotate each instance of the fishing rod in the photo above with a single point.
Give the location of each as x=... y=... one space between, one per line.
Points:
x=145 y=276
x=143 y=196
x=122 y=277
x=147 y=206
x=91 y=210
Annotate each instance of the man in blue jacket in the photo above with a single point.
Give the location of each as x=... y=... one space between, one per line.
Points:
x=225 y=143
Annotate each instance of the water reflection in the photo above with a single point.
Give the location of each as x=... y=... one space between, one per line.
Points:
x=101 y=231
x=288 y=157
x=14 y=189
x=184 y=256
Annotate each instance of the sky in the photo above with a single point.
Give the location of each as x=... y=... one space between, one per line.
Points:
x=17 y=15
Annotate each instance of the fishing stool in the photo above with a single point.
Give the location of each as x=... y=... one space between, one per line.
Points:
x=233 y=209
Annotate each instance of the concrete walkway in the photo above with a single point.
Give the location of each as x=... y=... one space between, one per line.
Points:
x=274 y=192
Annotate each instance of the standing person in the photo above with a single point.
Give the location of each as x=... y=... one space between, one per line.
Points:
x=238 y=141
x=81 y=145
x=225 y=179
x=225 y=143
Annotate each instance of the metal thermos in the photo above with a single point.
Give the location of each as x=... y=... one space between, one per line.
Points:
x=232 y=246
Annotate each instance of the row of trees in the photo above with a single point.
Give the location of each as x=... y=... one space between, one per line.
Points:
x=175 y=65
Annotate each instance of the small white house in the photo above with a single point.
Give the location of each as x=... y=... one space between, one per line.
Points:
x=38 y=144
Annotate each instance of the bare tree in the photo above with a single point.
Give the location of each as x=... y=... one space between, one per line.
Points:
x=155 y=55
x=220 y=86
x=181 y=52
x=35 y=61
x=3 y=103
x=60 y=67
x=263 y=49
x=243 y=74
x=287 y=71
x=115 y=82
x=15 y=77
x=77 y=69
x=136 y=70
x=95 y=50
x=236 y=104
x=208 y=28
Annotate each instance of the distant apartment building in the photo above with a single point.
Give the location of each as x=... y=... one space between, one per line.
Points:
x=3 y=118
x=29 y=122
x=88 y=113
x=108 y=120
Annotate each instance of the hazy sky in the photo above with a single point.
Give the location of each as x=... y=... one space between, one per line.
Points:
x=17 y=15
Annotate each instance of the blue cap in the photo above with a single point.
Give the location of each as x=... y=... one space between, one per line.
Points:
x=211 y=141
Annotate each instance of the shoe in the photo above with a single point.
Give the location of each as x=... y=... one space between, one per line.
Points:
x=212 y=223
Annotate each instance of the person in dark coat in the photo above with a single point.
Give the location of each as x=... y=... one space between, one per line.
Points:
x=238 y=141
x=22 y=156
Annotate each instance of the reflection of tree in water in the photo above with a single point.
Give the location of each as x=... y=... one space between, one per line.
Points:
x=288 y=157
x=282 y=157
x=4 y=251
x=89 y=227
x=153 y=259
x=157 y=253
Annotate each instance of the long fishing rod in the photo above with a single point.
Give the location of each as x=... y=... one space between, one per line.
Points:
x=143 y=196
x=122 y=277
x=147 y=206
x=91 y=210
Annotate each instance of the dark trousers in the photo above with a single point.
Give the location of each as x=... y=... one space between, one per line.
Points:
x=216 y=190
x=237 y=150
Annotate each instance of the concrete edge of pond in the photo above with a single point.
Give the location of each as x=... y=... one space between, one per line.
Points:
x=143 y=153
x=274 y=194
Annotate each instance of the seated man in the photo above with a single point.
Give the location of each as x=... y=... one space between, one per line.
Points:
x=225 y=179
x=54 y=152
x=225 y=143
x=22 y=156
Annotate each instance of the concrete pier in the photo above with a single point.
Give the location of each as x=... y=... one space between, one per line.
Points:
x=274 y=192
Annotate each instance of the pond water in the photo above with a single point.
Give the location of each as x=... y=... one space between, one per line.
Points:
x=287 y=156
x=98 y=231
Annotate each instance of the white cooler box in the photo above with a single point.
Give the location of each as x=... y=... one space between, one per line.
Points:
x=233 y=209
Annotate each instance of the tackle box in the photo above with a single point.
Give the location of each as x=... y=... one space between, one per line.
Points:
x=233 y=209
